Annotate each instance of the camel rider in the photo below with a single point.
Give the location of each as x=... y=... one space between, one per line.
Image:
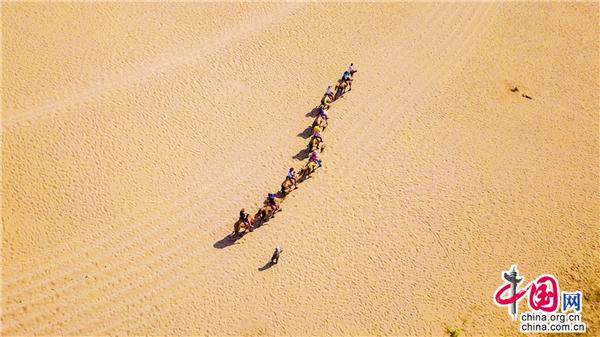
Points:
x=328 y=92
x=317 y=136
x=351 y=70
x=323 y=110
x=317 y=133
x=314 y=157
x=348 y=79
x=292 y=175
x=346 y=76
x=245 y=217
x=316 y=130
x=272 y=201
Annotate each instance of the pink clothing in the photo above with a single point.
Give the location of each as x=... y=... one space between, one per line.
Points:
x=314 y=156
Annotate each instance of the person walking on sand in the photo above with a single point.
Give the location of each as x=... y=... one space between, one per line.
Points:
x=276 y=254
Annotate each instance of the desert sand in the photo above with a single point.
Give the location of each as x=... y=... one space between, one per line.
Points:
x=132 y=135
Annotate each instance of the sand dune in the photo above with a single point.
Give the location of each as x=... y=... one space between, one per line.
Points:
x=133 y=134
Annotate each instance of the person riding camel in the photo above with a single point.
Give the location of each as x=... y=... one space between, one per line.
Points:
x=314 y=157
x=323 y=111
x=318 y=137
x=317 y=133
x=245 y=218
x=328 y=92
x=272 y=201
x=351 y=70
x=292 y=175
x=348 y=74
x=316 y=129
x=327 y=97
x=348 y=79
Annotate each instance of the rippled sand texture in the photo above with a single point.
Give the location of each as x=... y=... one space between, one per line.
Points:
x=134 y=133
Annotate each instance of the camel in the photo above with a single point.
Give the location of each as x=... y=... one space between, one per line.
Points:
x=237 y=226
x=265 y=213
x=326 y=100
x=315 y=144
x=321 y=122
x=287 y=186
x=340 y=88
x=307 y=171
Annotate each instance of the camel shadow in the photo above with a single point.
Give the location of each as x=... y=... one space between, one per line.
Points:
x=337 y=96
x=313 y=113
x=301 y=155
x=340 y=94
x=224 y=242
x=228 y=240
x=306 y=133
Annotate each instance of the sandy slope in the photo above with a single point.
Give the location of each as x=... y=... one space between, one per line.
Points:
x=133 y=133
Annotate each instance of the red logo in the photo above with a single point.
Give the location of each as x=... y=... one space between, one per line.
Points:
x=543 y=293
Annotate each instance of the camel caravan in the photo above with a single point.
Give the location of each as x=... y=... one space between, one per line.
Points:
x=272 y=204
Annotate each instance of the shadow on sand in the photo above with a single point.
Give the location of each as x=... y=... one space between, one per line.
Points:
x=228 y=240
x=266 y=266
x=313 y=113
x=303 y=154
x=306 y=133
